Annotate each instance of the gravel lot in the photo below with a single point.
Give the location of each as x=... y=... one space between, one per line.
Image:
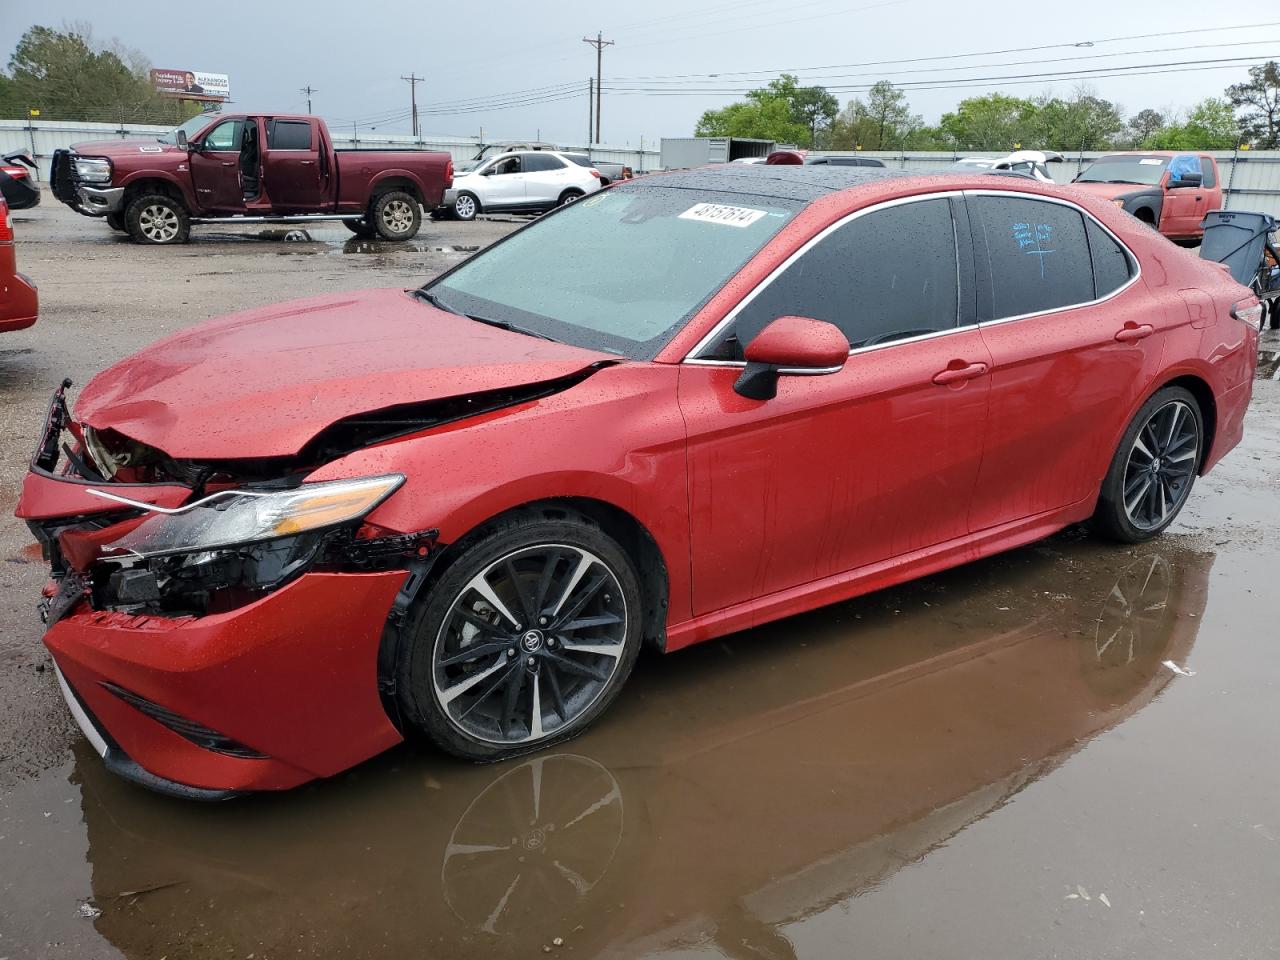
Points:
x=992 y=762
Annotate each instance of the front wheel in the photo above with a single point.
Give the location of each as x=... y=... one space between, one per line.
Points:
x=1153 y=469
x=466 y=206
x=524 y=640
x=396 y=215
x=157 y=219
x=568 y=197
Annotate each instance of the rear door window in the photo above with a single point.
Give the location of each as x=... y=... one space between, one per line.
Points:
x=1032 y=256
x=887 y=275
x=541 y=162
x=289 y=135
x=1112 y=267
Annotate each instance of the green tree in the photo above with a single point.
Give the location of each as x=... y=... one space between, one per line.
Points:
x=1143 y=126
x=1259 y=99
x=991 y=122
x=883 y=121
x=67 y=76
x=1083 y=122
x=782 y=111
x=1210 y=125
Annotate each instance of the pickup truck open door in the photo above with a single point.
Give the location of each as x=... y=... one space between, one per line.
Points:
x=294 y=171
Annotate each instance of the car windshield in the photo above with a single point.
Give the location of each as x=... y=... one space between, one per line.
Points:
x=1143 y=170
x=189 y=127
x=620 y=271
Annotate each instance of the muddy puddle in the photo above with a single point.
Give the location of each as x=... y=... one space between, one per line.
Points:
x=743 y=799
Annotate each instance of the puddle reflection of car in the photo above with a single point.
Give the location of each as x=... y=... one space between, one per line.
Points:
x=283 y=540
x=733 y=813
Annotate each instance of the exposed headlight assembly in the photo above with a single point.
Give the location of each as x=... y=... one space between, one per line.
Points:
x=233 y=517
x=93 y=171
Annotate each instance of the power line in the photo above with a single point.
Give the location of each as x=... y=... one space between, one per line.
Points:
x=413 y=80
x=599 y=43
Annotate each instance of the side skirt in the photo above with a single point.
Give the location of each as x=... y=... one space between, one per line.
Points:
x=877 y=576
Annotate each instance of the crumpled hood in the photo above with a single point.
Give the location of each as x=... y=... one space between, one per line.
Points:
x=123 y=148
x=263 y=382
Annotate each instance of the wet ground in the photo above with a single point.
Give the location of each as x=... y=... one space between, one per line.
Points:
x=1070 y=750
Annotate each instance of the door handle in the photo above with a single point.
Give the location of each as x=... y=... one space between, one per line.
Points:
x=957 y=374
x=1133 y=332
x=306 y=163
x=228 y=163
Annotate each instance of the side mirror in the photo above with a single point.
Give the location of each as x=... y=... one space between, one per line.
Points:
x=1186 y=180
x=791 y=346
x=181 y=138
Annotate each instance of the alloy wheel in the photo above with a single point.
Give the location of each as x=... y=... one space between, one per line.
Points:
x=465 y=207
x=397 y=216
x=529 y=644
x=158 y=223
x=1161 y=465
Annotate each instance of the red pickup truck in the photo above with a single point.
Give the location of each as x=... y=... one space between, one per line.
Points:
x=1170 y=190
x=247 y=168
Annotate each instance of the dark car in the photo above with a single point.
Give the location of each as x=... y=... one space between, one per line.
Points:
x=18 y=298
x=16 y=185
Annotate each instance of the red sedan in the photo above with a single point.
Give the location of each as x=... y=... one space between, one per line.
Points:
x=19 y=301
x=283 y=540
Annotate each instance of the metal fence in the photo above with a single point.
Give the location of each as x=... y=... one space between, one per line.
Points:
x=42 y=138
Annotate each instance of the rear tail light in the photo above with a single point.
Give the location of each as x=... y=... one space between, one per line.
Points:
x=1248 y=311
x=6 y=225
x=448 y=174
x=594 y=172
x=18 y=173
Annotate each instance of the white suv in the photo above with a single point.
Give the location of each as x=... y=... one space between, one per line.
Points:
x=526 y=181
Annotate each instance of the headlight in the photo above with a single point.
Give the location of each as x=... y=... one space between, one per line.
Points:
x=93 y=171
x=235 y=517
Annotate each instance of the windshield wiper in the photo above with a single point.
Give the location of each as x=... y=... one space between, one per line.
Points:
x=436 y=302
x=508 y=325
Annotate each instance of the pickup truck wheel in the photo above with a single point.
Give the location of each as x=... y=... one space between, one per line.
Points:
x=155 y=218
x=116 y=222
x=569 y=196
x=466 y=206
x=396 y=216
x=360 y=228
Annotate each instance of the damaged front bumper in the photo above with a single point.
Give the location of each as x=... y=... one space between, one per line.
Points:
x=218 y=670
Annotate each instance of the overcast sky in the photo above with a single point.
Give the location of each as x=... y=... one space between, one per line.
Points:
x=486 y=54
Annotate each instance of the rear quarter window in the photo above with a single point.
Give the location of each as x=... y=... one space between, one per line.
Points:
x=1112 y=267
x=1037 y=255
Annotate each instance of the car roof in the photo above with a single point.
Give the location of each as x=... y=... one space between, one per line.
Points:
x=784 y=181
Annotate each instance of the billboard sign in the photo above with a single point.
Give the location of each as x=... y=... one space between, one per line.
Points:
x=192 y=84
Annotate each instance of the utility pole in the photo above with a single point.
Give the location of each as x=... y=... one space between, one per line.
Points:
x=591 y=96
x=413 y=81
x=599 y=43
x=308 y=91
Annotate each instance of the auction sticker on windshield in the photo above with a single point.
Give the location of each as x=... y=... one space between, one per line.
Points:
x=721 y=213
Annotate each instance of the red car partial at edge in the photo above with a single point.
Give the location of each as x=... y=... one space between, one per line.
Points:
x=288 y=537
x=19 y=302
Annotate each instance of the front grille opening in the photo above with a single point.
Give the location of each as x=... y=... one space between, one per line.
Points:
x=189 y=730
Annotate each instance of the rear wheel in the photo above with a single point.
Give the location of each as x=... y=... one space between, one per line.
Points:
x=569 y=196
x=157 y=219
x=1153 y=469
x=524 y=640
x=396 y=215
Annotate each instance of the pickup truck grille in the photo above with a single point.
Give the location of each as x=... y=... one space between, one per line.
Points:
x=62 y=177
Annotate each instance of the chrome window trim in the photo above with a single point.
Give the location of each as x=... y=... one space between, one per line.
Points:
x=692 y=355
x=1136 y=265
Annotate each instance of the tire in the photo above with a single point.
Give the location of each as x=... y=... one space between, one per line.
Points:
x=1139 y=501
x=157 y=219
x=396 y=215
x=568 y=197
x=1272 y=317
x=483 y=708
x=466 y=206
x=360 y=228
x=116 y=222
